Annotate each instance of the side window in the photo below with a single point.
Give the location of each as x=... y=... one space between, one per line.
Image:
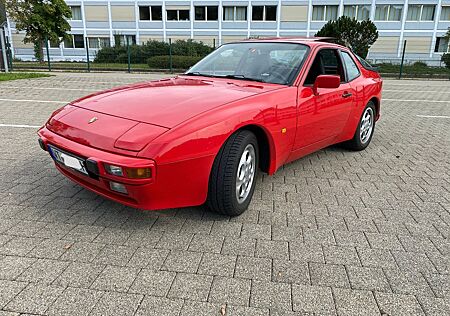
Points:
x=352 y=68
x=327 y=62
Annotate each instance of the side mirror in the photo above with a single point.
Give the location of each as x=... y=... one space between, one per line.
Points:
x=326 y=82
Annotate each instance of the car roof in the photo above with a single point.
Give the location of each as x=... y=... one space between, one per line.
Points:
x=310 y=41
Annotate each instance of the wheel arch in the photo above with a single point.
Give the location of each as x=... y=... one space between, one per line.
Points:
x=266 y=147
x=376 y=102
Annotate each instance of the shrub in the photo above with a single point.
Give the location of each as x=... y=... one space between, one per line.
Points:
x=190 y=48
x=420 y=64
x=109 y=54
x=446 y=60
x=141 y=53
x=178 y=62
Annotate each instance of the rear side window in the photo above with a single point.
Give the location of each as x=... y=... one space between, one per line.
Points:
x=365 y=63
x=352 y=68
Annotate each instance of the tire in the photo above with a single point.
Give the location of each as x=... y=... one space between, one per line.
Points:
x=361 y=140
x=227 y=195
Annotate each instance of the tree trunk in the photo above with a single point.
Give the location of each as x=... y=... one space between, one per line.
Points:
x=39 y=50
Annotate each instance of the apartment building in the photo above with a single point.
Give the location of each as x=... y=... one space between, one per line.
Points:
x=104 y=22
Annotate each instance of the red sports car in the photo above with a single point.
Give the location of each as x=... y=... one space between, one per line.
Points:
x=201 y=137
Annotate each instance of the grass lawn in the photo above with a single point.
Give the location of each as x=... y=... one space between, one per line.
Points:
x=21 y=75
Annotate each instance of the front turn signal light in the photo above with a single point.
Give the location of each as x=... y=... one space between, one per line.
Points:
x=138 y=173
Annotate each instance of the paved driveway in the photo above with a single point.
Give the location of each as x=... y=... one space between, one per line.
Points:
x=336 y=232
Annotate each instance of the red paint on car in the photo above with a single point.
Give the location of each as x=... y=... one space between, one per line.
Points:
x=176 y=127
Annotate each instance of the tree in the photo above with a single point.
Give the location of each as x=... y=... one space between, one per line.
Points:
x=356 y=35
x=446 y=57
x=2 y=13
x=40 y=19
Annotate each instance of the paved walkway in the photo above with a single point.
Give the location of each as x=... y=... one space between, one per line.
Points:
x=335 y=233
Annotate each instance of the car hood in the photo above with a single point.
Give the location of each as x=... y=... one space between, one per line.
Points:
x=169 y=102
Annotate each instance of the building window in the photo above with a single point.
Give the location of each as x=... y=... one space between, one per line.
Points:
x=264 y=13
x=150 y=13
x=76 y=12
x=420 y=12
x=442 y=45
x=74 y=41
x=359 y=12
x=68 y=42
x=99 y=42
x=121 y=40
x=206 y=13
x=445 y=13
x=234 y=13
x=178 y=15
x=324 y=12
x=54 y=44
x=78 y=41
x=388 y=12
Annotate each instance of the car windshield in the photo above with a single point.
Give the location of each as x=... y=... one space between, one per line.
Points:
x=270 y=62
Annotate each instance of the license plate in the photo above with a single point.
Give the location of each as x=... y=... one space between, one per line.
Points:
x=68 y=160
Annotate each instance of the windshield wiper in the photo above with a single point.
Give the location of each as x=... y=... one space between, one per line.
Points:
x=241 y=77
x=197 y=73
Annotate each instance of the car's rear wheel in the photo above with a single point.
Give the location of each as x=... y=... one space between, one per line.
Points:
x=364 y=131
x=233 y=175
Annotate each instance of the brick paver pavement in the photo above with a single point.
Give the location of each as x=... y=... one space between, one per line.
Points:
x=335 y=233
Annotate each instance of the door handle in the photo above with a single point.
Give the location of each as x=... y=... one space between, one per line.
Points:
x=347 y=95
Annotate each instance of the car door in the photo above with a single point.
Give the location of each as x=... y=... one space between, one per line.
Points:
x=323 y=116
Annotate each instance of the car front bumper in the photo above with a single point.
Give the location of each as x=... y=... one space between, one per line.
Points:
x=98 y=180
x=172 y=184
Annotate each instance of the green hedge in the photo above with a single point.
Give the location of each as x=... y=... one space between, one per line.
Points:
x=416 y=68
x=446 y=59
x=141 y=53
x=178 y=62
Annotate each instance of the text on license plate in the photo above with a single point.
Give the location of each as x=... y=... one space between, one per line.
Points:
x=68 y=160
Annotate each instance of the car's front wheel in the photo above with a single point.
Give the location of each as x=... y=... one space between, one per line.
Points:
x=233 y=175
x=364 y=131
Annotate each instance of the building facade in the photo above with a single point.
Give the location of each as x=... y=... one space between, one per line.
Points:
x=99 y=23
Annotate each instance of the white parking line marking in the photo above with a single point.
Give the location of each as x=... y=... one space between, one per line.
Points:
x=34 y=101
x=415 y=100
x=412 y=91
x=428 y=83
x=434 y=116
x=19 y=125
x=41 y=88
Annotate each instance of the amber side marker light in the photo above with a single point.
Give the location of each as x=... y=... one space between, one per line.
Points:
x=138 y=173
x=132 y=173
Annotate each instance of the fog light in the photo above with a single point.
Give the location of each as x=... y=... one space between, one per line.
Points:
x=118 y=187
x=138 y=173
x=114 y=170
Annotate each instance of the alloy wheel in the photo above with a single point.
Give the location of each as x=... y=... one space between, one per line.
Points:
x=245 y=173
x=366 y=125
